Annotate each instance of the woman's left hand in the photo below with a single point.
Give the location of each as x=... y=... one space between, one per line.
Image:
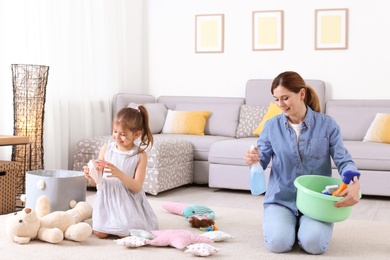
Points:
x=352 y=194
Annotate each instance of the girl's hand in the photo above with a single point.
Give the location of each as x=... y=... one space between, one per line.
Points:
x=252 y=157
x=100 y=166
x=86 y=172
x=112 y=170
x=101 y=163
x=91 y=181
x=352 y=194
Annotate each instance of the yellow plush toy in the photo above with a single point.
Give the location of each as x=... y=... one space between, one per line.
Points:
x=29 y=224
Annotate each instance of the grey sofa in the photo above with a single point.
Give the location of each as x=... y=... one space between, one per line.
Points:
x=218 y=155
x=371 y=158
x=221 y=125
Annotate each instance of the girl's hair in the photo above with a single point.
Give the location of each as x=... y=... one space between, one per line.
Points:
x=294 y=82
x=135 y=119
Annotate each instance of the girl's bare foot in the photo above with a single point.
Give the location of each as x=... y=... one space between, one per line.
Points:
x=100 y=234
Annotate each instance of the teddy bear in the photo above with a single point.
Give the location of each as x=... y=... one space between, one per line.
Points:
x=28 y=224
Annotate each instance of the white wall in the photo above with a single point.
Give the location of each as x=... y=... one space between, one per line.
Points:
x=94 y=49
x=357 y=73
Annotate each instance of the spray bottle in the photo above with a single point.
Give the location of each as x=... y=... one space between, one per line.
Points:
x=347 y=178
x=257 y=178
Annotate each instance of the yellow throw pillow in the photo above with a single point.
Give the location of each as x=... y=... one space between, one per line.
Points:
x=379 y=130
x=185 y=122
x=273 y=110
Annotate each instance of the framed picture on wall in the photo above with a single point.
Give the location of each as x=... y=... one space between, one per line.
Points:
x=331 y=29
x=209 y=33
x=267 y=30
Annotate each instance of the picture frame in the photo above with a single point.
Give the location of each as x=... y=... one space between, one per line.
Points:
x=331 y=29
x=209 y=33
x=267 y=30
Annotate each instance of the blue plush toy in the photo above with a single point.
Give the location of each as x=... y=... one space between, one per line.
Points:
x=198 y=210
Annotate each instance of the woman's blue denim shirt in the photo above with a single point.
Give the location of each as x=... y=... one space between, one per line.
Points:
x=320 y=139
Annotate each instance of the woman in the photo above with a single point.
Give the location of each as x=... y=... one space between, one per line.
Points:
x=300 y=141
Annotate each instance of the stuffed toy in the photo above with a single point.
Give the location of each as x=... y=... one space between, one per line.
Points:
x=28 y=224
x=178 y=238
x=196 y=244
x=198 y=216
x=198 y=210
x=189 y=210
x=200 y=222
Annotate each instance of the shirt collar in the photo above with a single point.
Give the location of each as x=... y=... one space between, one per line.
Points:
x=307 y=121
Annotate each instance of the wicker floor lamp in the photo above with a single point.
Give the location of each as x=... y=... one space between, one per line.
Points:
x=29 y=87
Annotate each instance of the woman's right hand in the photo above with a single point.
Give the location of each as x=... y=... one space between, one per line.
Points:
x=252 y=156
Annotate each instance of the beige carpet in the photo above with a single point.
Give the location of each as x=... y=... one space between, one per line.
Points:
x=351 y=239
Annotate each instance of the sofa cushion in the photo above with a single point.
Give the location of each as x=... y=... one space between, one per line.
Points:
x=185 y=122
x=379 y=130
x=250 y=117
x=157 y=114
x=230 y=152
x=273 y=110
x=200 y=144
x=223 y=120
x=369 y=155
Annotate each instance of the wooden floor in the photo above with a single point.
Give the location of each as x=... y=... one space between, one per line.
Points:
x=369 y=207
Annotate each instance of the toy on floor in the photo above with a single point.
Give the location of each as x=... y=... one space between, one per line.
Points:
x=209 y=228
x=188 y=210
x=201 y=222
x=198 y=245
x=28 y=224
x=198 y=210
x=179 y=238
x=198 y=216
x=202 y=249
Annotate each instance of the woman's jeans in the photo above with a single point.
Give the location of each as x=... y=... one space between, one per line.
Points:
x=281 y=227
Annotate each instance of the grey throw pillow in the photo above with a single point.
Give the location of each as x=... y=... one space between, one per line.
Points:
x=157 y=113
x=250 y=118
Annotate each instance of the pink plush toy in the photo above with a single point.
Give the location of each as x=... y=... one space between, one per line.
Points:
x=198 y=216
x=189 y=210
x=175 y=207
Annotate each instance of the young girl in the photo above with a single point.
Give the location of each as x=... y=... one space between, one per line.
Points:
x=121 y=203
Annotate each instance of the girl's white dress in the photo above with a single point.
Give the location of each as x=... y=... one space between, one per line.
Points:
x=118 y=209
